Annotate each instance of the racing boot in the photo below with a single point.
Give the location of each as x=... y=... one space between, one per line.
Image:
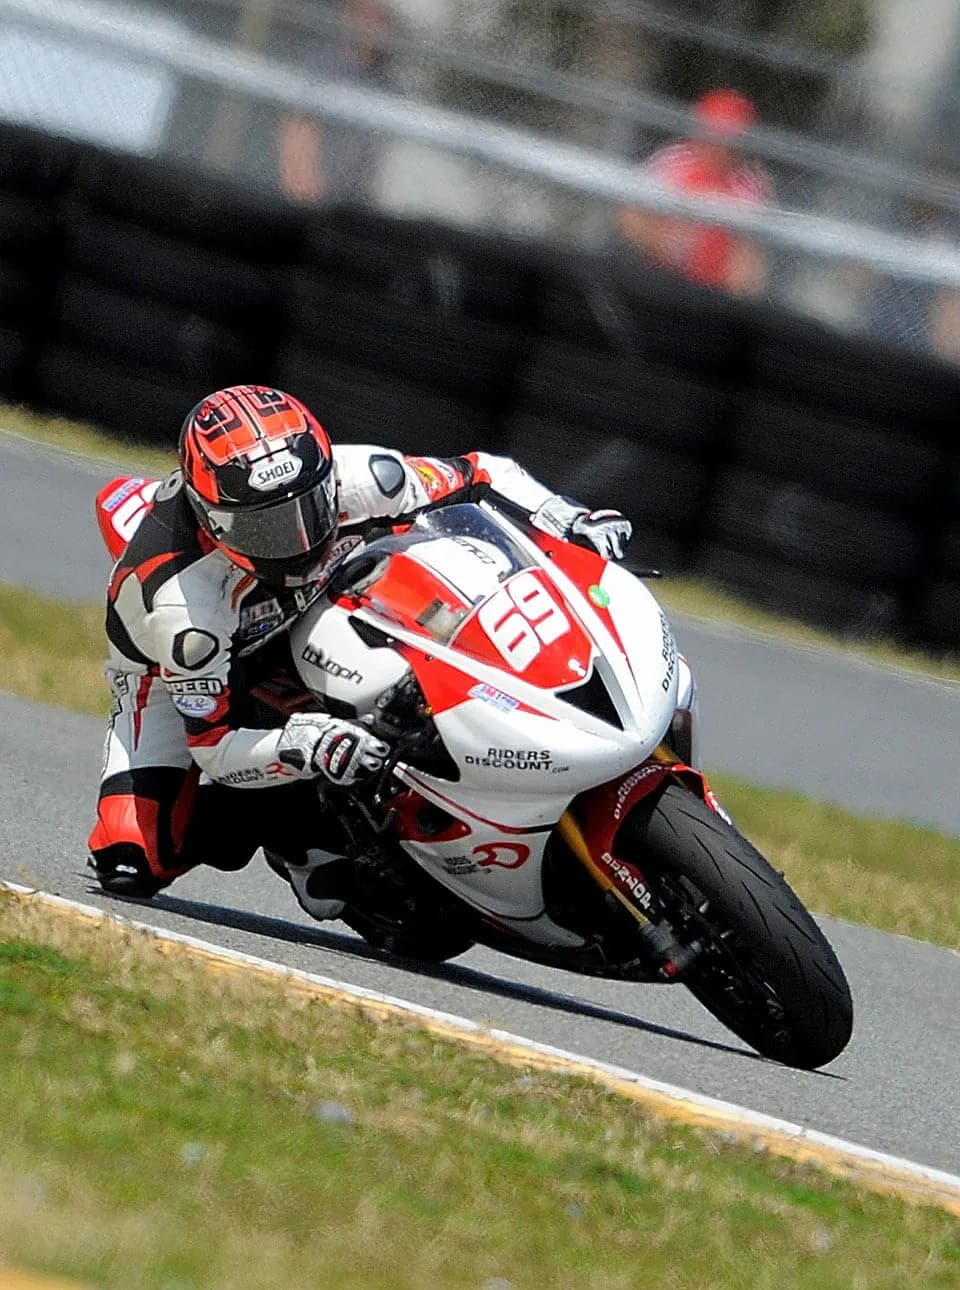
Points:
x=322 y=883
x=122 y=870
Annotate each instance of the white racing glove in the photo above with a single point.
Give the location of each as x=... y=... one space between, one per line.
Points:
x=607 y=532
x=342 y=751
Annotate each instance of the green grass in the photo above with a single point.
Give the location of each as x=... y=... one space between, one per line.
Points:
x=886 y=874
x=699 y=599
x=167 y=1126
x=889 y=875
x=86 y=440
x=52 y=652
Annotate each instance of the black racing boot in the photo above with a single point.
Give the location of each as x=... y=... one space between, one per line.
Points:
x=122 y=870
x=321 y=883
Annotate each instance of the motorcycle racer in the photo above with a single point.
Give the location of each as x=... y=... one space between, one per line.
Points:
x=231 y=550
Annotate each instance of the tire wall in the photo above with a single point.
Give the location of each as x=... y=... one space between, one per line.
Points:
x=816 y=474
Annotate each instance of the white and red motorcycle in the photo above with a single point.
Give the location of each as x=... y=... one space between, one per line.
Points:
x=543 y=797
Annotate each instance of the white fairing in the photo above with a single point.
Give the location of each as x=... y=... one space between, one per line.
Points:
x=523 y=751
x=335 y=663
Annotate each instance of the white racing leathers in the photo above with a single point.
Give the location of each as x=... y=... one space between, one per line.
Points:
x=191 y=635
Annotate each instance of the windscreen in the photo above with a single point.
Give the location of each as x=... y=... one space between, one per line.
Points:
x=457 y=556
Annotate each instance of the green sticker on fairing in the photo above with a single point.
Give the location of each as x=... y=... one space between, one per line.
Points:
x=599 y=596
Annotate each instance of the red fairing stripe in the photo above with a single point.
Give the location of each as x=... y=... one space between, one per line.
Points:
x=603 y=809
x=585 y=568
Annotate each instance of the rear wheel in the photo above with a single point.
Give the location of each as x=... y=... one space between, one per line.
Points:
x=421 y=939
x=766 y=970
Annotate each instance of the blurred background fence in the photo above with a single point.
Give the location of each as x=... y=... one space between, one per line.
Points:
x=410 y=217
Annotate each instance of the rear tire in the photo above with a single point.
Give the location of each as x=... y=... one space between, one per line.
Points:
x=419 y=942
x=768 y=972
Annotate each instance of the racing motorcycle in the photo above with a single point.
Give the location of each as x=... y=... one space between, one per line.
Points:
x=543 y=796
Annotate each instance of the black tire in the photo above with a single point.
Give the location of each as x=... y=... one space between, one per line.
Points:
x=144 y=406
x=26 y=226
x=774 y=980
x=357 y=405
x=457 y=357
x=937 y=620
x=795 y=525
x=220 y=287
x=147 y=334
x=849 y=376
x=659 y=406
x=34 y=162
x=14 y=350
x=422 y=943
x=449 y=271
x=851 y=460
x=656 y=490
x=192 y=206
x=831 y=602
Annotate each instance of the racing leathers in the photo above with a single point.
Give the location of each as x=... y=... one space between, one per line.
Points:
x=192 y=637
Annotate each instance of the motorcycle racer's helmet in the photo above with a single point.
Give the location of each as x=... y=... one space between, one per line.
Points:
x=258 y=472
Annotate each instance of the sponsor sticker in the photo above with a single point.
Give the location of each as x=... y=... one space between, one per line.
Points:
x=121 y=494
x=599 y=597
x=629 y=878
x=513 y=759
x=496 y=698
x=196 y=685
x=458 y=865
x=275 y=471
x=257 y=620
x=668 y=653
x=317 y=658
x=502 y=855
x=194 y=705
x=247 y=775
x=631 y=782
x=438 y=477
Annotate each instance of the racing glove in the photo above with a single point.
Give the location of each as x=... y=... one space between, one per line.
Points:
x=607 y=532
x=342 y=751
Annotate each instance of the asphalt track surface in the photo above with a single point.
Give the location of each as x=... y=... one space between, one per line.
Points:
x=846 y=731
x=893 y=1089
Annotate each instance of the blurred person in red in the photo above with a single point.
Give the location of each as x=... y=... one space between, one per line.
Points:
x=319 y=161
x=712 y=166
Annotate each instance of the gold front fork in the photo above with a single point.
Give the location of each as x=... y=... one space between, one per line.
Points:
x=569 y=830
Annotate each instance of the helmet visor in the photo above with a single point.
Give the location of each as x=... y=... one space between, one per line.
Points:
x=278 y=530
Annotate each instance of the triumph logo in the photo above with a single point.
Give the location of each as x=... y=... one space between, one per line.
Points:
x=317 y=658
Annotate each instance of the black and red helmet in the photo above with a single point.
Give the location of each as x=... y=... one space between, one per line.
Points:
x=258 y=471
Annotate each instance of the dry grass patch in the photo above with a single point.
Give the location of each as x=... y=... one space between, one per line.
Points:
x=86 y=440
x=167 y=1126
x=700 y=599
x=52 y=652
x=887 y=874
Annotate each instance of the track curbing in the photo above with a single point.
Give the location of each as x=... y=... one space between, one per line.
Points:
x=876 y=1170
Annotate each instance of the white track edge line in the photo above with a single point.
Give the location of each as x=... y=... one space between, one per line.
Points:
x=685 y=1097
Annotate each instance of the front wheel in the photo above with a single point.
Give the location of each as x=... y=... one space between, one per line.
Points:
x=766 y=970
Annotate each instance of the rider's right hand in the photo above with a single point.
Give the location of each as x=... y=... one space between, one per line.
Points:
x=344 y=752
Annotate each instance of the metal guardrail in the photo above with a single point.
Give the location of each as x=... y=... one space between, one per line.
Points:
x=633 y=107
x=567 y=166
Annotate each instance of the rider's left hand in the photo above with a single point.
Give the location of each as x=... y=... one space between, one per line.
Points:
x=608 y=532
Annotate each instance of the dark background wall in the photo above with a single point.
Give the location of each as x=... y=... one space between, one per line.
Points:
x=816 y=474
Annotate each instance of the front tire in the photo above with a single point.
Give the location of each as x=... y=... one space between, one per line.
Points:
x=767 y=971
